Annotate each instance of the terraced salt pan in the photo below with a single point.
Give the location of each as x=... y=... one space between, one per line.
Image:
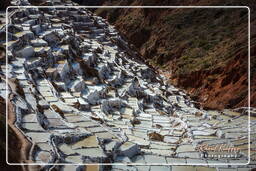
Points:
x=146 y=130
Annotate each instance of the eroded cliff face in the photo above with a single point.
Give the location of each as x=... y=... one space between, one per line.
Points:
x=201 y=50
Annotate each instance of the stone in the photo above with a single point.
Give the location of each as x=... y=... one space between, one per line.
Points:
x=26 y=52
x=129 y=149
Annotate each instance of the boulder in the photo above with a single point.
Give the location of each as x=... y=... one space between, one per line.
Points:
x=77 y=85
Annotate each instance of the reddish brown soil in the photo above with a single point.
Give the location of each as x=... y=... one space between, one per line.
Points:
x=220 y=79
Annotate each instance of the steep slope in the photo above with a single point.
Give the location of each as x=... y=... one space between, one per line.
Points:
x=79 y=94
x=202 y=50
x=14 y=142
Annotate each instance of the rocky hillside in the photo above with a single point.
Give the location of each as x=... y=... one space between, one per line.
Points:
x=201 y=50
